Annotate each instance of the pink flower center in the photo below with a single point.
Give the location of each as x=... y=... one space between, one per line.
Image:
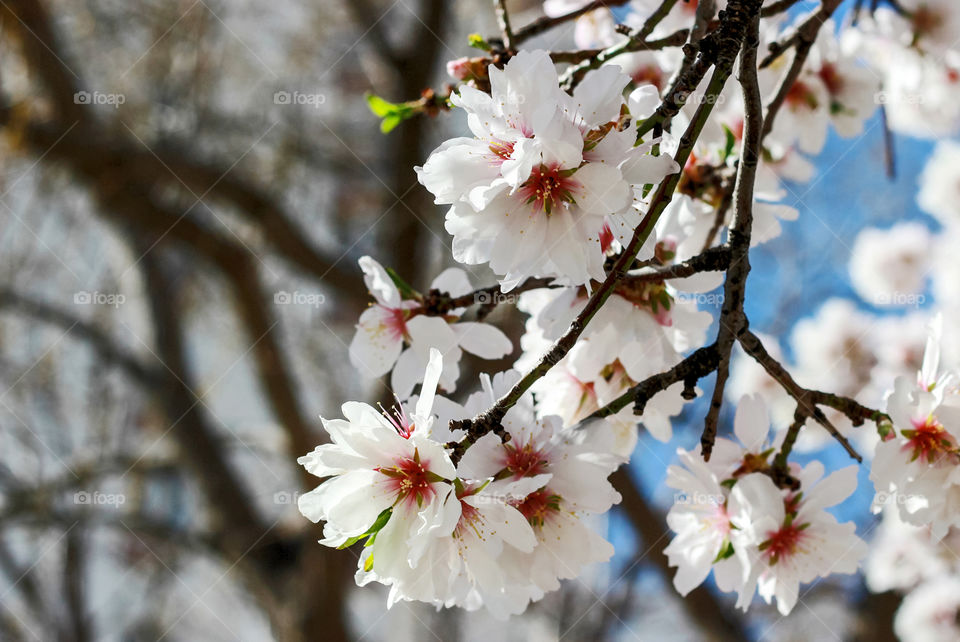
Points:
x=548 y=188
x=831 y=78
x=783 y=542
x=800 y=95
x=606 y=238
x=524 y=461
x=410 y=479
x=651 y=296
x=502 y=149
x=469 y=514
x=930 y=442
x=538 y=506
x=396 y=323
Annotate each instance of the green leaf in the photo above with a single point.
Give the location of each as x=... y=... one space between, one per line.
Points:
x=477 y=41
x=378 y=524
x=406 y=290
x=379 y=106
x=392 y=113
x=730 y=143
x=726 y=551
x=368 y=564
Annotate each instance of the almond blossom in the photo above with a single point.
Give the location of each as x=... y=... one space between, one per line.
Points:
x=394 y=334
x=531 y=192
x=929 y=614
x=919 y=469
x=889 y=267
x=785 y=538
x=577 y=488
x=699 y=515
x=731 y=518
x=387 y=481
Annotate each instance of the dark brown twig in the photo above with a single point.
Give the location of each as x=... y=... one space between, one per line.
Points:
x=732 y=318
x=546 y=23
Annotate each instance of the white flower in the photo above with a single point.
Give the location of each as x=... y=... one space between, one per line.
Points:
x=939 y=193
x=392 y=322
x=929 y=613
x=460 y=563
x=804 y=118
x=920 y=92
x=730 y=517
x=889 y=267
x=702 y=526
x=645 y=326
x=582 y=383
x=531 y=193
x=578 y=486
x=382 y=468
x=834 y=348
x=902 y=555
x=699 y=515
x=785 y=539
x=928 y=25
x=919 y=469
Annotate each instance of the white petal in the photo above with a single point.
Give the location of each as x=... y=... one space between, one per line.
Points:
x=482 y=339
x=379 y=283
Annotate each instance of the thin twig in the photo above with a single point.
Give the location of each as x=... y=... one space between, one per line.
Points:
x=545 y=23
x=732 y=318
x=804 y=398
x=503 y=21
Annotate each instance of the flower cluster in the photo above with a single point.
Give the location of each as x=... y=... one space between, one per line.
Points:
x=583 y=199
x=497 y=529
x=546 y=174
x=732 y=518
